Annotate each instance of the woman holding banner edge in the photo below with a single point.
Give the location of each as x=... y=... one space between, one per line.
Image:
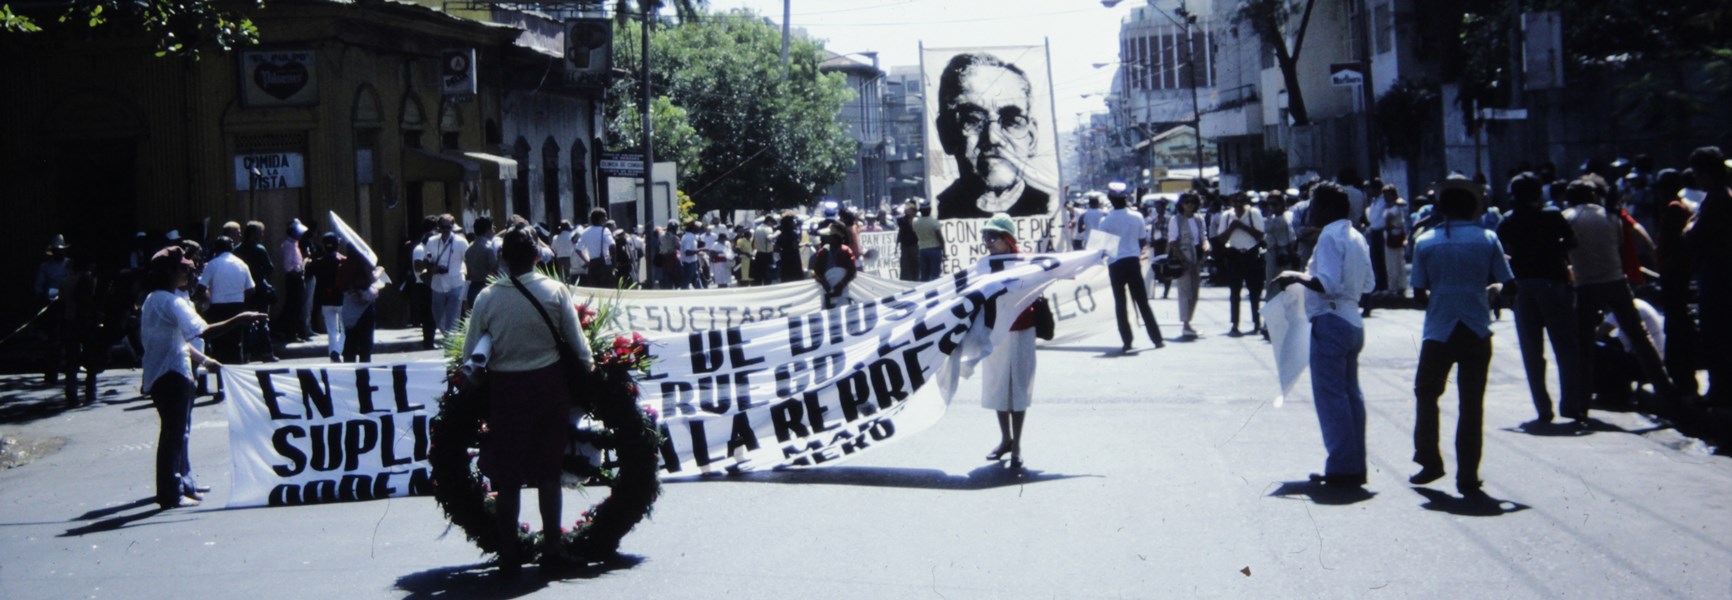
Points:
x=167 y=326
x=1007 y=374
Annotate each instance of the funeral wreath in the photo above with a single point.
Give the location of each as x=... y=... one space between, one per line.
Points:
x=618 y=444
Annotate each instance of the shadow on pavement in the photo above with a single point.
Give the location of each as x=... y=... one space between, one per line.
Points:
x=990 y=476
x=480 y=581
x=119 y=522
x=1325 y=495
x=103 y=512
x=26 y=399
x=1478 y=505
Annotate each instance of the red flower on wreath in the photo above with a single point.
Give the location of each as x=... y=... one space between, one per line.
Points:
x=585 y=316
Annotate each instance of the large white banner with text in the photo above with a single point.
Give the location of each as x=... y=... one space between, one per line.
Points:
x=821 y=387
x=805 y=389
x=309 y=434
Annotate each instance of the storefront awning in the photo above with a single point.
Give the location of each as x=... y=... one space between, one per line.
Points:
x=494 y=166
x=426 y=165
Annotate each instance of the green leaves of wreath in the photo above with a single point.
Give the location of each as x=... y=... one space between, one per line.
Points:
x=626 y=434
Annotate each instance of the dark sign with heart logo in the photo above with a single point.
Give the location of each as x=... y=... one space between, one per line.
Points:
x=278 y=78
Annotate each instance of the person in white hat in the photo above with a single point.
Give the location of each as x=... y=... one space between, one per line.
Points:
x=1007 y=374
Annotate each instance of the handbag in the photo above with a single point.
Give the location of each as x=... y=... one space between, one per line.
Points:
x=1044 y=324
x=575 y=374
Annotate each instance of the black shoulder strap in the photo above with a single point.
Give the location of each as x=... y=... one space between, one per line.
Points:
x=558 y=340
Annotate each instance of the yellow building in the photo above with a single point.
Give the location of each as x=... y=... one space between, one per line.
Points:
x=364 y=109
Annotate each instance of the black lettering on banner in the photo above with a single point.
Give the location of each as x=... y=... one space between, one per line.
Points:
x=286 y=449
x=1062 y=311
x=805 y=335
x=903 y=307
x=885 y=347
x=364 y=389
x=388 y=447
x=815 y=413
x=737 y=351
x=861 y=318
x=670 y=457
x=887 y=382
x=855 y=394
x=828 y=366
x=743 y=388
x=700 y=442
x=269 y=394
x=787 y=418
x=360 y=436
x=400 y=388
x=677 y=399
x=715 y=394
x=1086 y=292
x=348 y=488
x=791 y=379
x=743 y=435
x=327 y=442
x=911 y=362
x=316 y=398
x=706 y=357
x=418 y=425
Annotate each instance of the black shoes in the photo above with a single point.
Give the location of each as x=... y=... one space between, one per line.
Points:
x=1342 y=480
x=1426 y=475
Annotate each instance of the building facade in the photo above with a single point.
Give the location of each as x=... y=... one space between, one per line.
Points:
x=342 y=108
x=866 y=185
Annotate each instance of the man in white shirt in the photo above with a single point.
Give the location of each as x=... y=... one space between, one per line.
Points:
x=1125 y=264
x=764 y=251
x=690 y=259
x=563 y=249
x=447 y=284
x=1338 y=274
x=229 y=283
x=1241 y=230
x=1091 y=218
x=592 y=251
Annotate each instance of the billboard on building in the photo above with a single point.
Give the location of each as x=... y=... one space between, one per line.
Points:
x=283 y=77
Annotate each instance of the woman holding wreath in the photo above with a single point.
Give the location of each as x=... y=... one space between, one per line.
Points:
x=529 y=402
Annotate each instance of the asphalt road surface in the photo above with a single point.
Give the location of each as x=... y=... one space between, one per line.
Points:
x=1164 y=473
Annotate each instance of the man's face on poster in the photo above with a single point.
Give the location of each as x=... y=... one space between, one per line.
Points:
x=992 y=114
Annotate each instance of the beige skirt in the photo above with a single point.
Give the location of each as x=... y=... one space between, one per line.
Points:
x=1007 y=375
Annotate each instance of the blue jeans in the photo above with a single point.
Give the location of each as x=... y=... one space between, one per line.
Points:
x=689 y=276
x=931 y=263
x=1335 y=346
x=171 y=394
x=1544 y=307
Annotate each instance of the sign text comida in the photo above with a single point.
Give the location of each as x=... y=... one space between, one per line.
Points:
x=817 y=388
x=330 y=433
x=269 y=171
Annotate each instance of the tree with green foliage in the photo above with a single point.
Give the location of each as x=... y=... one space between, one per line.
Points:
x=178 y=27
x=763 y=141
x=1279 y=23
x=1599 y=36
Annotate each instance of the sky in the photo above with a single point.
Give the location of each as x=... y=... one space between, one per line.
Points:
x=1081 y=33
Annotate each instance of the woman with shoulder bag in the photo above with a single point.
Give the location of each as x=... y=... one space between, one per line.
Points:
x=1007 y=374
x=529 y=412
x=1187 y=245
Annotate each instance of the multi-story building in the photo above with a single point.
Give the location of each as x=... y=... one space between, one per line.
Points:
x=1165 y=72
x=865 y=185
x=905 y=131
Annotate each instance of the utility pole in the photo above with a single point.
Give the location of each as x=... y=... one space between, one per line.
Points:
x=787 y=15
x=1191 y=72
x=648 y=145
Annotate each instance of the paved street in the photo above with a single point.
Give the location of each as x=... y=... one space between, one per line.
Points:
x=1166 y=473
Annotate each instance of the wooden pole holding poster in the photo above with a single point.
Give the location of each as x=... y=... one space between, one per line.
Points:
x=926 y=131
x=1058 y=151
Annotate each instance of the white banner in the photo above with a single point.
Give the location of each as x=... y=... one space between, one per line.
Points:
x=820 y=387
x=673 y=312
x=802 y=389
x=328 y=433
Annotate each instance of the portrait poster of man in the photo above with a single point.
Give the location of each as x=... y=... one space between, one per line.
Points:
x=993 y=145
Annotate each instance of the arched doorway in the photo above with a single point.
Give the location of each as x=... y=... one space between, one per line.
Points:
x=580 y=202
x=550 y=181
x=520 y=185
